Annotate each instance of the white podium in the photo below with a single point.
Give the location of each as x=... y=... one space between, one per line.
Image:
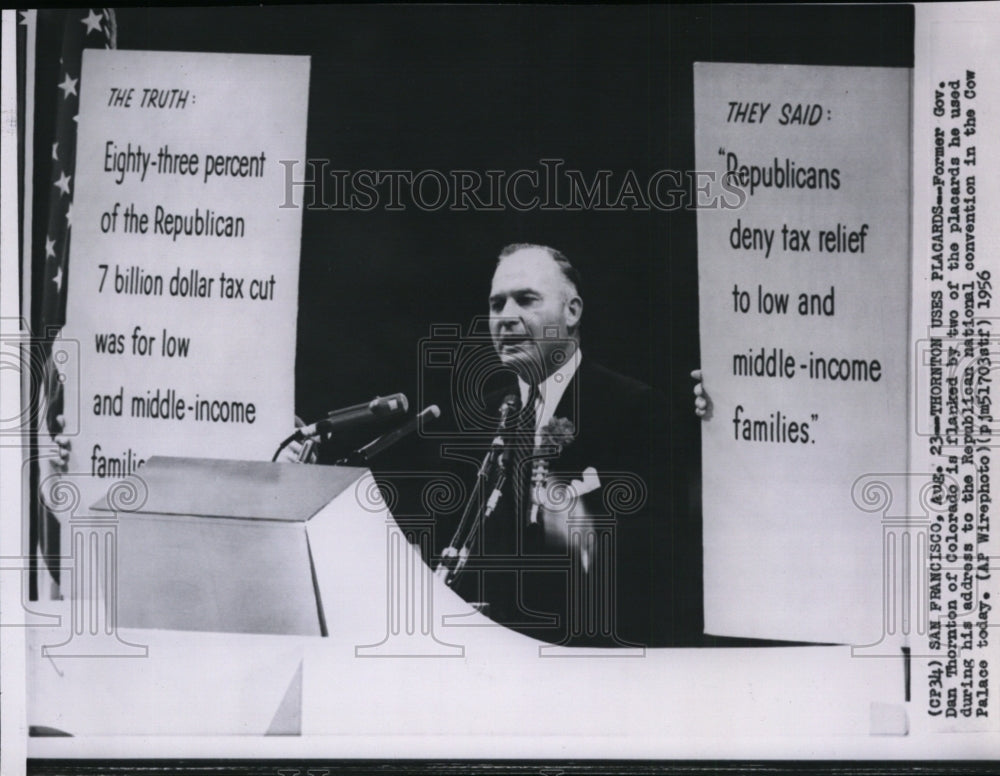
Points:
x=230 y=573
x=196 y=586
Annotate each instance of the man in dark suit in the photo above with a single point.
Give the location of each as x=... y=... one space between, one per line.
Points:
x=584 y=545
x=582 y=548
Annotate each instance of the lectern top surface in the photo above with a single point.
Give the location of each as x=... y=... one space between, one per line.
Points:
x=212 y=487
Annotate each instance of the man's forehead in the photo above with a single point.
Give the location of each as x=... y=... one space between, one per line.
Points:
x=528 y=267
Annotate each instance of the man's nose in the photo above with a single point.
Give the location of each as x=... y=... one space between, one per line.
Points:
x=509 y=316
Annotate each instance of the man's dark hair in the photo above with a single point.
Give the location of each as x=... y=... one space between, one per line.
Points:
x=571 y=273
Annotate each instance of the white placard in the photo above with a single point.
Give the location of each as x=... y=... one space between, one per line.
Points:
x=804 y=293
x=183 y=279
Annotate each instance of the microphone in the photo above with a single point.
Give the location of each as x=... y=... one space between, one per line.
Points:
x=511 y=403
x=355 y=416
x=362 y=455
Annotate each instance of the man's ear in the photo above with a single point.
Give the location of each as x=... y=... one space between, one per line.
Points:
x=574 y=311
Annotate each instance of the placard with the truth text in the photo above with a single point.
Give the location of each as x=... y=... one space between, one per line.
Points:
x=184 y=264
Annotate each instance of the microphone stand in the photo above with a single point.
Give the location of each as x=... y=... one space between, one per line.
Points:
x=309 y=445
x=363 y=455
x=477 y=511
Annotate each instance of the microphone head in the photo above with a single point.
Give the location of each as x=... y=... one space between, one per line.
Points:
x=511 y=403
x=383 y=406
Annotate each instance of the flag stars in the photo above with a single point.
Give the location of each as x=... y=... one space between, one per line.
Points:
x=69 y=215
x=50 y=248
x=69 y=86
x=55 y=151
x=57 y=278
x=63 y=183
x=93 y=22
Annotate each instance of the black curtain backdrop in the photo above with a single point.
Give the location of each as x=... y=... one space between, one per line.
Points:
x=500 y=88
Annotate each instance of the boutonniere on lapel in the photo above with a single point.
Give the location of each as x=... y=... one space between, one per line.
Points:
x=555 y=435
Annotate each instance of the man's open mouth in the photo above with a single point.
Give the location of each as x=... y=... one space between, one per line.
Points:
x=512 y=342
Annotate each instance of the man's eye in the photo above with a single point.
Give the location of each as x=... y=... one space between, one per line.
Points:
x=496 y=305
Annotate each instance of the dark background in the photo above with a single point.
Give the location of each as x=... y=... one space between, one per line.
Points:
x=501 y=87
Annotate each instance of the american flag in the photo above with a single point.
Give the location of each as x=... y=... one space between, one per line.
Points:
x=92 y=28
x=89 y=28
x=80 y=29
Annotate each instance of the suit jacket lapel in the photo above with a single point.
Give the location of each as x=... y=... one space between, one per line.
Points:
x=569 y=408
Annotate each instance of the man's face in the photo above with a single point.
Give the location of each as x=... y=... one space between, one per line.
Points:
x=532 y=310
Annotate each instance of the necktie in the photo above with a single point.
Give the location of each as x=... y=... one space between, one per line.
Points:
x=524 y=445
